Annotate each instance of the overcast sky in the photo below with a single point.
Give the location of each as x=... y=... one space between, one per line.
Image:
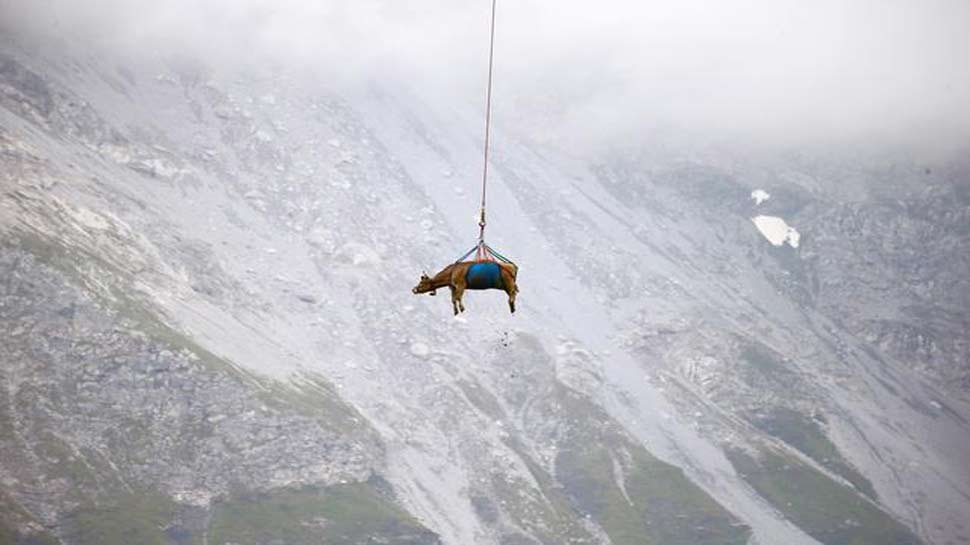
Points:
x=758 y=70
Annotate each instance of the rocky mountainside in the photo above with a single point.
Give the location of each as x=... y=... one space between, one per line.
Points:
x=208 y=334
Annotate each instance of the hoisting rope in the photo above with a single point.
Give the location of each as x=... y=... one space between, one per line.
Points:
x=482 y=247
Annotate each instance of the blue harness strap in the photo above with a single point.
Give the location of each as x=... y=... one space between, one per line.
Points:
x=484 y=276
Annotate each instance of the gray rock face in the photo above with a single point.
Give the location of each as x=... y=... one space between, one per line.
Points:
x=904 y=262
x=99 y=402
x=207 y=333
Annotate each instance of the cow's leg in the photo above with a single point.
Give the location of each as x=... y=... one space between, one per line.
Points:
x=459 y=285
x=460 y=290
x=510 y=288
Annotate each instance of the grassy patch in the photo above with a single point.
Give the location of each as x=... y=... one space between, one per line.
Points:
x=550 y=517
x=805 y=434
x=128 y=519
x=826 y=510
x=76 y=264
x=658 y=506
x=764 y=361
x=636 y=498
x=339 y=515
x=62 y=462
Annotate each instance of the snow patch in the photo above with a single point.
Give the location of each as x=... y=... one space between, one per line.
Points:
x=777 y=231
x=760 y=196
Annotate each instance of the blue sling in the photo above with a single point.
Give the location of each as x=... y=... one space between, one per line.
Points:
x=484 y=276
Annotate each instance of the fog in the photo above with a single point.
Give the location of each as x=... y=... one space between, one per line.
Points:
x=826 y=72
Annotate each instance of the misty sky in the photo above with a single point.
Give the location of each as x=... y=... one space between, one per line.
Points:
x=764 y=70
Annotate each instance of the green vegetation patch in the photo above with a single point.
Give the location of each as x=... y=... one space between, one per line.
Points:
x=636 y=498
x=60 y=461
x=765 y=361
x=550 y=517
x=826 y=510
x=127 y=519
x=350 y=514
x=657 y=504
x=805 y=434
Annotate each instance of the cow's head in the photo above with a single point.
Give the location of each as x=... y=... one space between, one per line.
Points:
x=424 y=285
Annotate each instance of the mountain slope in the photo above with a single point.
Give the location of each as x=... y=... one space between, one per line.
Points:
x=209 y=334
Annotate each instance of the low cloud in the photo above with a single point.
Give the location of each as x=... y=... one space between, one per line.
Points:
x=892 y=72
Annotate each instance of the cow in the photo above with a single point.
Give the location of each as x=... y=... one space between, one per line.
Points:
x=472 y=275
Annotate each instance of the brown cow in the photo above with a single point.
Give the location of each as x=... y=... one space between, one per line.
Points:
x=455 y=277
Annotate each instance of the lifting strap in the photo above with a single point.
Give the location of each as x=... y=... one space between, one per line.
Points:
x=484 y=252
